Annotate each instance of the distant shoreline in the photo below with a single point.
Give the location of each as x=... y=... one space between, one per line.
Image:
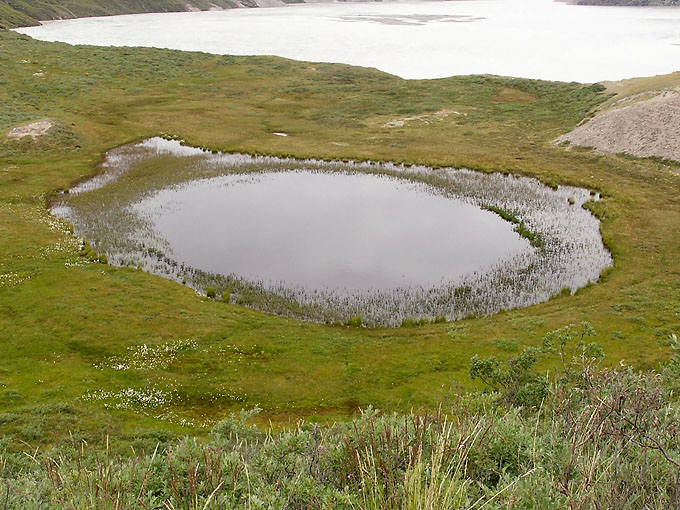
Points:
x=23 y=13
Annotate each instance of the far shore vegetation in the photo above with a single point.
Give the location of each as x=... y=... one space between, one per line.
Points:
x=21 y=13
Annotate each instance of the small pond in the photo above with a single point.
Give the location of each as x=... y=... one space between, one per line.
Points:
x=331 y=241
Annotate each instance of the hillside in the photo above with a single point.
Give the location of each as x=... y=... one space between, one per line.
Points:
x=14 y=13
x=641 y=119
x=121 y=389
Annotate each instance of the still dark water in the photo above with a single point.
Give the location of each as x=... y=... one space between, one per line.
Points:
x=328 y=230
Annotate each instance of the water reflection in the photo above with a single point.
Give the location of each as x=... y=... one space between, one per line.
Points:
x=411 y=19
x=328 y=230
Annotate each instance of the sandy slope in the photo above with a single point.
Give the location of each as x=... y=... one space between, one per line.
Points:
x=642 y=124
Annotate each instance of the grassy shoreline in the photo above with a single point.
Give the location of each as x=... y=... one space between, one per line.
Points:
x=61 y=316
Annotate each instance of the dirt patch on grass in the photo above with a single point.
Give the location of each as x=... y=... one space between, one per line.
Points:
x=34 y=130
x=639 y=125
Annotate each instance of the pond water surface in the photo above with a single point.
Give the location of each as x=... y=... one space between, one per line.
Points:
x=525 y=38
x=328 y=241
x=328 y=230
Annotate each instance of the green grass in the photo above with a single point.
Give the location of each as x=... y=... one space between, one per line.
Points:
x=533 y=237
x=11 y=17
x=63 y=320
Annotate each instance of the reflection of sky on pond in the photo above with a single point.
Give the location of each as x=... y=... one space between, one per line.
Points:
x=328 y=230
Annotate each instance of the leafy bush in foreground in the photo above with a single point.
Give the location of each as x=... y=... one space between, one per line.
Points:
x=598 y=439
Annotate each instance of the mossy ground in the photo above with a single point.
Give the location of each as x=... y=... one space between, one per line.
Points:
x=62 y=317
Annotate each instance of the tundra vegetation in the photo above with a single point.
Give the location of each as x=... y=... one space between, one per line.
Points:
x=16 y=13
x=103 y=369
x=583 y=437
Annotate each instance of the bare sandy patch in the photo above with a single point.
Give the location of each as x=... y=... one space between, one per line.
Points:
x=644 y=124
x=34 y=129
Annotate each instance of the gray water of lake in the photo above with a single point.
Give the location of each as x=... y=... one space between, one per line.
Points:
x=541 y=39
x=327 y=241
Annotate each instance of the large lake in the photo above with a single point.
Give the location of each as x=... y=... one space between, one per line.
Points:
x=525 y=38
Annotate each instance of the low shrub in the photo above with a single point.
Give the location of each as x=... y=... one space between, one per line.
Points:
x=598 y=439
